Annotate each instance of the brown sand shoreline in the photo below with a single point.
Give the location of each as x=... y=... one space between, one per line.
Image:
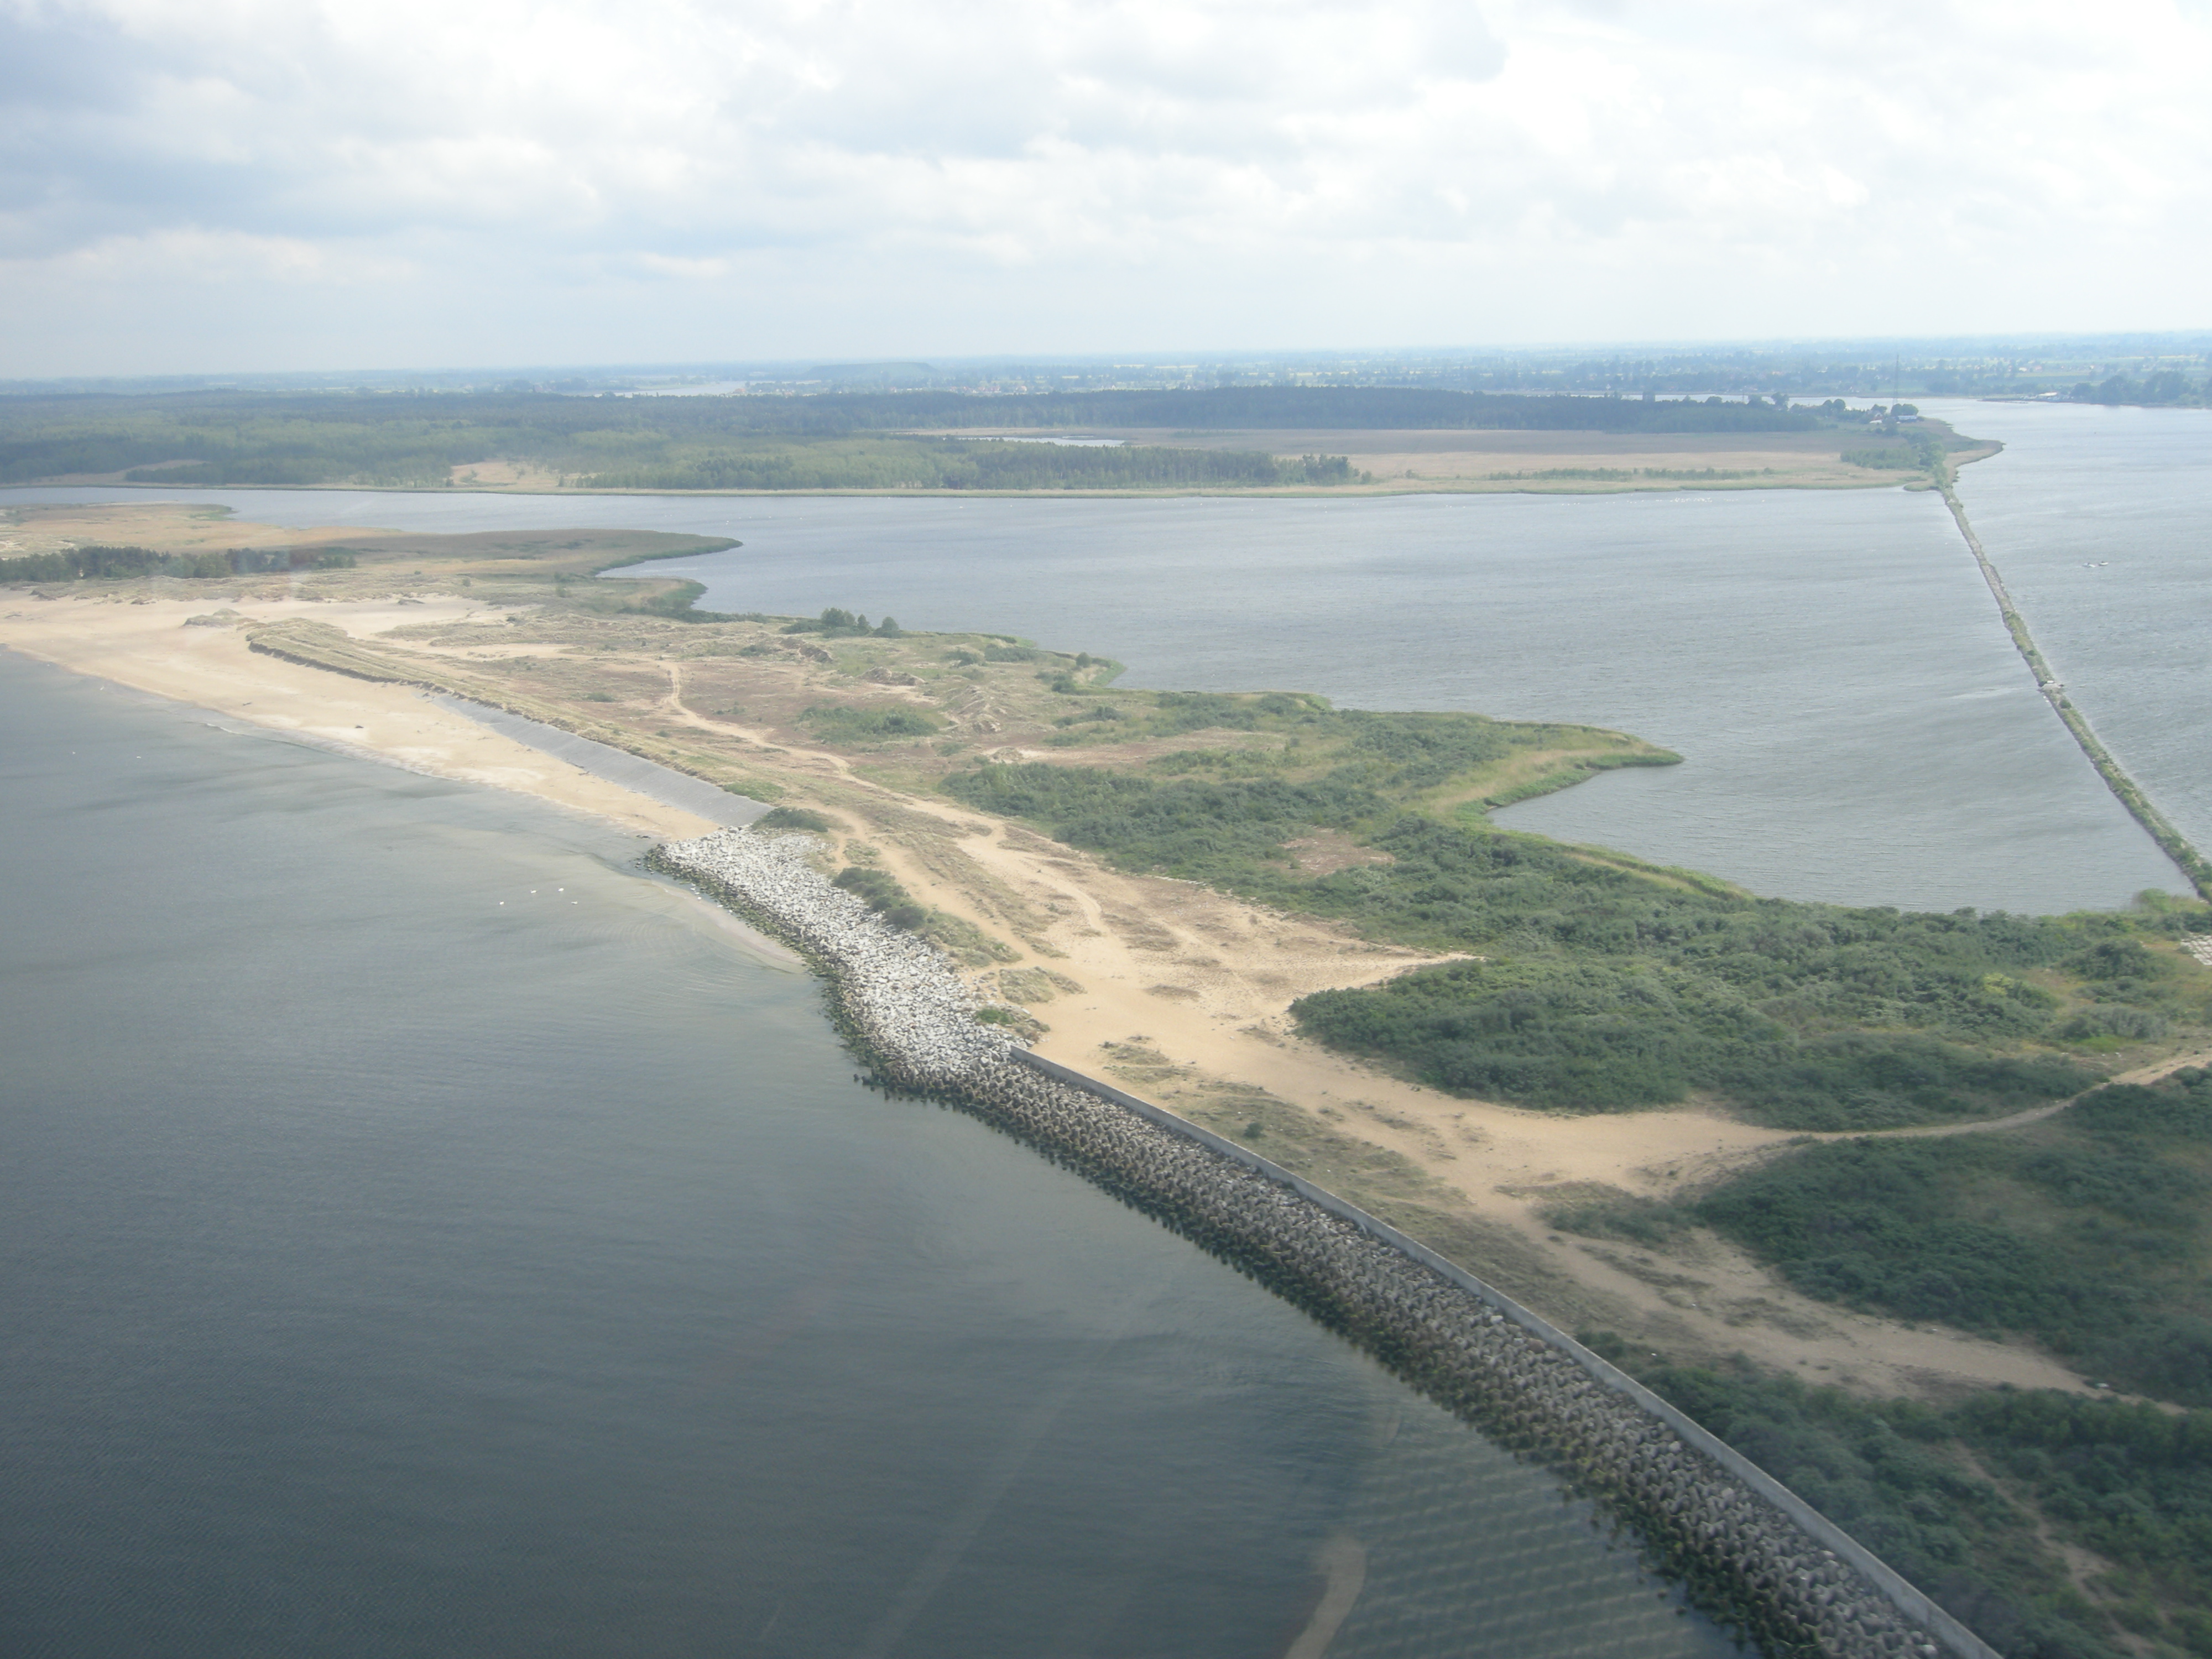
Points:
x=1180 y=994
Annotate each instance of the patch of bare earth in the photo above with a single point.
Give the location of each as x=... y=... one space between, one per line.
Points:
x=1325 y=852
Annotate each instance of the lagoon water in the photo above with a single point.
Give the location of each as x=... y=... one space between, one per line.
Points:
x=1854 y=722
x=2100 y=520
x=426 y=1234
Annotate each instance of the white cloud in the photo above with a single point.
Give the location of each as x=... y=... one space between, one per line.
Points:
x=1053 y=174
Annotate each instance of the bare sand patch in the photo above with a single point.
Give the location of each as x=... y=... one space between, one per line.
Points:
x=524 y=476
x=147 y=645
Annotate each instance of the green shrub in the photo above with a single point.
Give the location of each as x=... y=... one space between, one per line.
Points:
x=2180 y=1108
x=2088 y=1234
x=795 y=817
x=1602 y=989
x=2119 y=1024
x=845 y=723
x=883 y=895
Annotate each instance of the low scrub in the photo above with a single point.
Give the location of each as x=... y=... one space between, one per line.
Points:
x=796 y=817
x=883 y=895
x=1600 y=986
x=1972 y=1502
x=849 y=723
x=2087 y=1233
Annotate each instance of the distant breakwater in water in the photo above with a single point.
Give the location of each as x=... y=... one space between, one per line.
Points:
x=1744 y=1544
x=2171 y=842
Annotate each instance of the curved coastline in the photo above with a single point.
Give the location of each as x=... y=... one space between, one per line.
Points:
x=1743 y=1544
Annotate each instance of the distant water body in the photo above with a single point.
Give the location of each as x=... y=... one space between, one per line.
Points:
x=1855 y=723
x=424 y=1233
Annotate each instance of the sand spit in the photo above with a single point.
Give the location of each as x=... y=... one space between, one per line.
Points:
x=1748 y=1546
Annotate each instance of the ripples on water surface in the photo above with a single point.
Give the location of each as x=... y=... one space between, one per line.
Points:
x=2101 y=522
x=392 y=1271
x=1855 y=723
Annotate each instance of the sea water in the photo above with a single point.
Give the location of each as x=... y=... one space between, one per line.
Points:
x=425 y=1233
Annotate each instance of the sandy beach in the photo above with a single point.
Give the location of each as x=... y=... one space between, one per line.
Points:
x=1167 y=988
x=149 y=647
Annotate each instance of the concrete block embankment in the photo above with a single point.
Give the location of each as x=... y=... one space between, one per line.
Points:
x=1744 y=1543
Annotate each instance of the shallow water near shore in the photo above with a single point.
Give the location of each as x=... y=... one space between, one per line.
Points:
x=426 y=1234
x=1855 y=722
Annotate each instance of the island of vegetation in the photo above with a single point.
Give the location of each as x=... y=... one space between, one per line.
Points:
x=1910 y=1208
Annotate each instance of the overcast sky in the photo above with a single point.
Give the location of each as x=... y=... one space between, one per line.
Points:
x=202 y=186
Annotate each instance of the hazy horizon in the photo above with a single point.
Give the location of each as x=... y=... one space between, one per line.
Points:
x=269 y=188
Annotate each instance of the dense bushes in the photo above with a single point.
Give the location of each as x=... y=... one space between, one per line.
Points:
x=2087 y=1234
x=1589 y=1033
x=889 y=463
x=795 y=817
x=845 y=723
x=1599 y=988
x=883 y=894
x=121 y=564
x=101 y=564
x=1961 y=1500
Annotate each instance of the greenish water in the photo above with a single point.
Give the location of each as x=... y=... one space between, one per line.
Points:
x=425 y=1234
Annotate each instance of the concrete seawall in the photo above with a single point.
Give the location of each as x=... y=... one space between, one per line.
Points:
x=1744 y=1543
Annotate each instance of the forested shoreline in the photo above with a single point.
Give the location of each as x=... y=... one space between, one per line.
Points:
x=818 y=442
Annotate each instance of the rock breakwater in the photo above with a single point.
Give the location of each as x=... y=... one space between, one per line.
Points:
x=1746 y=1545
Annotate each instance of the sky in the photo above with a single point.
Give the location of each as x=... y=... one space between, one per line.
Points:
x=236 y=185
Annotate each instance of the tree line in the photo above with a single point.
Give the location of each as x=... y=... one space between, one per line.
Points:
x=415 y=440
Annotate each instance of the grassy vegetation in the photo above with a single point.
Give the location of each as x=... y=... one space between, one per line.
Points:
x=2086 y=1232
x=1622 y=474
x=101 y=564
x=1974 y=1501
x=845 y=723
x=888 y=897
x=883 y=895
x=831 y=441
x=408 y=441
x=1606 y=986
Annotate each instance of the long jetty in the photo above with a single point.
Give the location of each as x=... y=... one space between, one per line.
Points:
x=2175 y=845
x=1745 y=1545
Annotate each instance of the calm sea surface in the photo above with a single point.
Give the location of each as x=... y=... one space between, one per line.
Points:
x=425 y=1234
x=421 y=1233
x=1855 y=723
x=2100 y=520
